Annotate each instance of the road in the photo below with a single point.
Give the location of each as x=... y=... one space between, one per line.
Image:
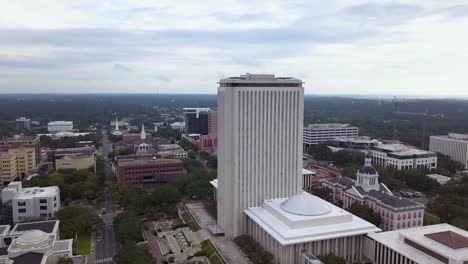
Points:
x=106 y=242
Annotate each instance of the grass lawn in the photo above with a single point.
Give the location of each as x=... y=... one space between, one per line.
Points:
x=191 y=223
x=211 y=252
x=430 y=220
x=84 y=244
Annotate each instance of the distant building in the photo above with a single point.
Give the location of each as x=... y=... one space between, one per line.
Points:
x=171 y=151
x=396 y=212
x=117 y=131
x=75 y=162
x=308 y=179
x=147 y=171
x=403 y=157
x=441 y=179
x=29 y=203
x=60 y=152
x=179 y=126
x=315 y=134
x=453 y=145
x=203 y=142
x=433 y=244
x=18 y=141
x=213 y=123
x=8 y=168
x=34 y=243
x=60 y=126
x=361 y=143
x=140 y=144
x=196 y=120
x=25 y=160
x=398 y=155
x=23 y=123
x=81 y=144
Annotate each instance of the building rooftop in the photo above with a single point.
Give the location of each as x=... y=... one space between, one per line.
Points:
x=29 y=258
x=60 y=123
x=305 y=221
x=402 y=150
x=28 y=193
x=19 y=138
x=308 y=172
x=443 y=239
x=453 y=136
x=259 y=78
x=146 y=161
x=50 y=226
x=441 y=179
x=359 y=139
x=330 y=126
x=6 y=156
x=74 y=156
x=166 y=147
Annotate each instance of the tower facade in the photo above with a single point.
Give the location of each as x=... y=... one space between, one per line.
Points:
x=260 y=123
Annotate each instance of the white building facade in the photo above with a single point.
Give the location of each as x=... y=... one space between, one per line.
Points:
x=403 y=157
x=453 y=145
x=29 y=203
x=315 y=134
x=60 y=126
x=260 y=120
x=433 y=244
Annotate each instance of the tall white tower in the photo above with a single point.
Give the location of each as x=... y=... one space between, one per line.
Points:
x=143 y=132
x=116 y=124
x=260 y=122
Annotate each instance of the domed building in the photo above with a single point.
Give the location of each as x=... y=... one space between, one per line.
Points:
x=34 y=243
x=396 y=212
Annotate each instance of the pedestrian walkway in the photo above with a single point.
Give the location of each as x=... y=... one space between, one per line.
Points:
x=225 y=246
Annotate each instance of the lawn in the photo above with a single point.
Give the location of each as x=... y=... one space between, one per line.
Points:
x=83 y=244
x=211 y=252
x=191 y=223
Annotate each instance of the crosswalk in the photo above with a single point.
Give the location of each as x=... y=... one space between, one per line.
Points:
x=104 y=260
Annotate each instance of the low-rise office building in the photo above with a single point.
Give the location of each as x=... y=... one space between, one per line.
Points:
x=21 y=204
x=8 y=168
x=18 y=141
x=433 y=244
x=395 y=212
x=60 y=126
x=34 y=243
x=25 y=160
x=453 y=145
x=398 y=155
x=315 y=134
x=74 y=162
x=403 y=157
x=170 y=151
x=180 y=126
x=147 y=171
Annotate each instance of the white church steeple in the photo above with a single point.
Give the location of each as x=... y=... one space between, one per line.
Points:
x=143 y=133
x=116 y=124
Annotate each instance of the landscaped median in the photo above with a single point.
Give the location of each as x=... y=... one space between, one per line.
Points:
x=190 y=221
x=211 y=252
x=82 y=244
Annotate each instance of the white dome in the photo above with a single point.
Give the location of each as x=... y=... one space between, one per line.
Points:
x=306 y=204
x=32 y=237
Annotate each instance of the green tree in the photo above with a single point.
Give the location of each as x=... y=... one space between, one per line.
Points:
x=76 y=219
x=133 y=254
x=128 y=227
x=365 y=213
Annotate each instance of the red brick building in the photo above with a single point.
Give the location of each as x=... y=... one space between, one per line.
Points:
x=147 y=172
x=18 y=141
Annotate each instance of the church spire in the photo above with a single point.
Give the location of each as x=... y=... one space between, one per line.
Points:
x=143 y=133
x=116 y=124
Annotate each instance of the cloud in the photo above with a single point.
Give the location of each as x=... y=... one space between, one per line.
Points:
x=162 y=78
x=121 y=67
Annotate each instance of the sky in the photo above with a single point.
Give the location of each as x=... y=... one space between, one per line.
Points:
x=381 y=47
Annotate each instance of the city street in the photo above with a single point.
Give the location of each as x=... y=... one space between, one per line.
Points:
x=106 y=242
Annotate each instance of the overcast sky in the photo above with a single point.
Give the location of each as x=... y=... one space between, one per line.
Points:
x=186 y=46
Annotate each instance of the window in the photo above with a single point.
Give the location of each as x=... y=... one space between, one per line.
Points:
x=43 y=215
x=21 y=203
x=22 y=210
x=43 y=208
x=43 y=201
